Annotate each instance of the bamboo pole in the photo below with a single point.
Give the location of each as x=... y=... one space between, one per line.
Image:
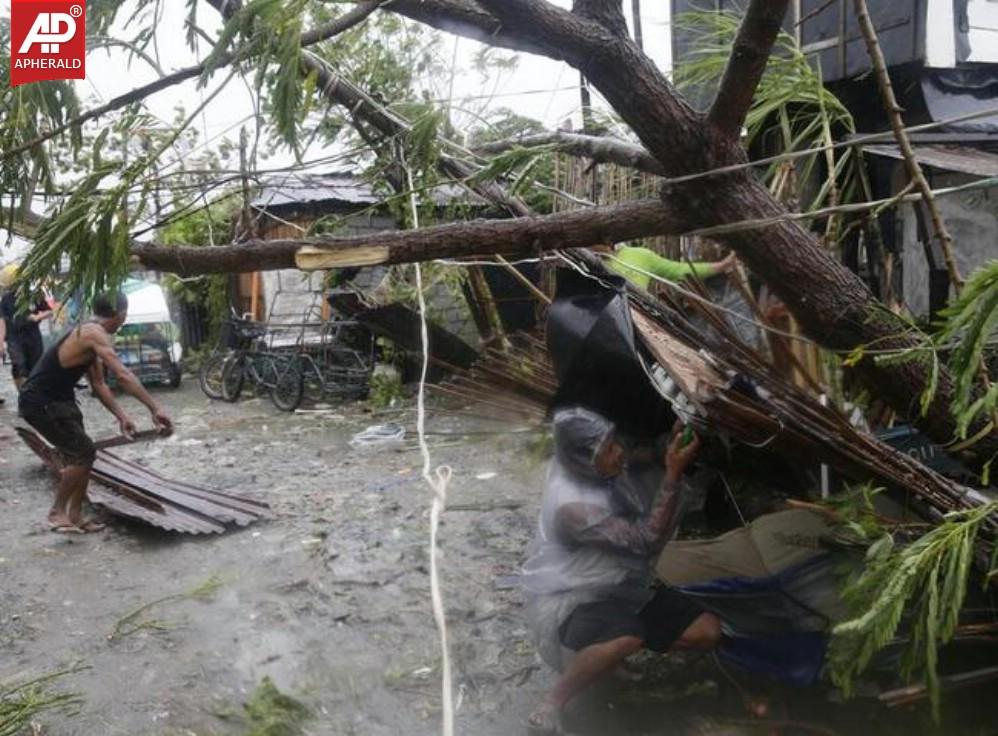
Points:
x=904 y=144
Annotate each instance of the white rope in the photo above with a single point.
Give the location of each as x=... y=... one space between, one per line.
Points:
x=734 y=501
x=492 y=264
x=437 y=480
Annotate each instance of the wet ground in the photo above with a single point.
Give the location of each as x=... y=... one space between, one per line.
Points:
x=330 y=599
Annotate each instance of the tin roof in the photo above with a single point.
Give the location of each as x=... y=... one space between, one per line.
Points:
x=964 y=159
x=294 y=189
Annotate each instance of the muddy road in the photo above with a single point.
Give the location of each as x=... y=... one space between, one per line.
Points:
x=330 y=599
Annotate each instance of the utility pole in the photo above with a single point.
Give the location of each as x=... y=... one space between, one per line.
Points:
x=636 y=16
x=587 y=106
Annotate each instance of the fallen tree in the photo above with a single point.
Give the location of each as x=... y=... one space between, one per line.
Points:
x=831 y=303
x=512 y=237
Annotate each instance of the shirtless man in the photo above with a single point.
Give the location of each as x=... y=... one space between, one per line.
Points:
x=48 y=404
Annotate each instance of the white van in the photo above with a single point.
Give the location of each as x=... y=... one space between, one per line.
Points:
x=148 y=343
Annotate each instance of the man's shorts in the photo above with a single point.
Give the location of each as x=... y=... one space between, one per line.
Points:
x=658 y=624
x=61 y=423
x=24 y=353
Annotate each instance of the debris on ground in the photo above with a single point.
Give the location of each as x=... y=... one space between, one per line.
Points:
x=136 y=620
x=379 y=434
x=127 y=489
x=270 y=712
x=21 y=703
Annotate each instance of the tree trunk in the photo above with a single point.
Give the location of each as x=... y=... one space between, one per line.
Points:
x=520 y=236
x=832 y=304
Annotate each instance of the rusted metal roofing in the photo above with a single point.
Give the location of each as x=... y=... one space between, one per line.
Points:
x=964 y=159
x=129 y=490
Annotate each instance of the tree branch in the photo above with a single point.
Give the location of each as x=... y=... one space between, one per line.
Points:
x=463 y=18
x=631 y=82
x=749 y=56
x=323 y=33
x=608 y=13
x=513 y=237
x=598 y=148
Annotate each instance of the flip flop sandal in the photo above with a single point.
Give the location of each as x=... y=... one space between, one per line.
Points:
x=66 y=529
x=92 y=527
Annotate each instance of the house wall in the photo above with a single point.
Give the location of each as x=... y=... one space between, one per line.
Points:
x=828 y=30
x=972 y=220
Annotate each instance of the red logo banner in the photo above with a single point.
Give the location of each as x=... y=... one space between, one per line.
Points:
x=47 y=40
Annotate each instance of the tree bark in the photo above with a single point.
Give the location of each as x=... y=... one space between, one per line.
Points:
x=601 y=149
x=608 y=13
x=513 y=237
x=749 y=56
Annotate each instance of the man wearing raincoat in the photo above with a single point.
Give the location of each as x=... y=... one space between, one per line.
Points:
x=588 y=581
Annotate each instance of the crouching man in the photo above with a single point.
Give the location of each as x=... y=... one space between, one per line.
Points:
x=588 y=580
x=47 y=402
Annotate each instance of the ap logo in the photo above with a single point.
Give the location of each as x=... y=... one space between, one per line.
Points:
x=48 y=40
x=46 y=31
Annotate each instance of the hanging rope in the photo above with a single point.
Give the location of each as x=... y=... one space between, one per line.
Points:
x=438 y=480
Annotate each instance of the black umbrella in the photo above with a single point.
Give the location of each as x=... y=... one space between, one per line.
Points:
x=596 y=359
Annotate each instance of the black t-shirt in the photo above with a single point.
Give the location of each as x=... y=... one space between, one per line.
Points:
x=18 y=325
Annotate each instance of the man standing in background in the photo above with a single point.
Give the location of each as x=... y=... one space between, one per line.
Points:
x=20 y=331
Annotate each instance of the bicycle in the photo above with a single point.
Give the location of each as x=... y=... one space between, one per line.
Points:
x=237 y=335
x=276 y=373
x=340 y=365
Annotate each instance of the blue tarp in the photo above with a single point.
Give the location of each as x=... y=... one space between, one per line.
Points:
x=773 y=625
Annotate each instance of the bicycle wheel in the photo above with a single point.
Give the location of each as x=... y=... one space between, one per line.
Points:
x=210 y=375
x=233 y=377
x=289 y=386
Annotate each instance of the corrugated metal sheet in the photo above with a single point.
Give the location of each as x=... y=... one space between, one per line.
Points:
x=129 y=490
x=342 y=187
x=306 y=188
x=964 y=159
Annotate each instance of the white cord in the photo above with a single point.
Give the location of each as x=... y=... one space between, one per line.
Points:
x=437 y=481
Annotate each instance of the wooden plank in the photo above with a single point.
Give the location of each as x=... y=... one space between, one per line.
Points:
x=694 y=376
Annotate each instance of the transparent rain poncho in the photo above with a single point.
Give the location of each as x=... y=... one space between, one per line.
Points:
x=594 y=540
